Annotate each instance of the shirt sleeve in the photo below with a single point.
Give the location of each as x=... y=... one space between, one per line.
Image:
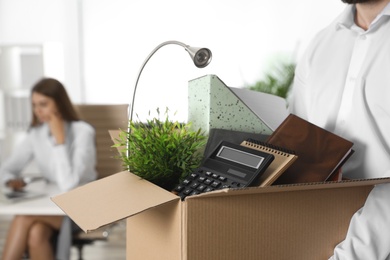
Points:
x=298 y=91
x=17 y=161
x=368 y=236
x=75 y=162
x=299 y=98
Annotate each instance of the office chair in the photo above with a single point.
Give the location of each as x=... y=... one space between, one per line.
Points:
x=103 y=118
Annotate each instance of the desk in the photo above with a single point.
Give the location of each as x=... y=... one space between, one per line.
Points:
x=37 y=206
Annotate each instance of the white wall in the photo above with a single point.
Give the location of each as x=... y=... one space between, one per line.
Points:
x=105 y=42
x=242 y=35
x=52 y=23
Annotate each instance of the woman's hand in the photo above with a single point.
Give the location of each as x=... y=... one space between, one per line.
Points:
x=56 y=124
x=16 y=184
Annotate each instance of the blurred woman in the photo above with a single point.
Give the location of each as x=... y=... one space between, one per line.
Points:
x=63 y=148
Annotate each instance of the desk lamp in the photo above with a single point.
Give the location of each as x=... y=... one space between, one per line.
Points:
x=200 y=56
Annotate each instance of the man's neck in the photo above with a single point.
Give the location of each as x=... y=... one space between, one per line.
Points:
x=366 y=12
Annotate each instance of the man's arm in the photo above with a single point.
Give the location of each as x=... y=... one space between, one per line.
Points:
x=368 y=235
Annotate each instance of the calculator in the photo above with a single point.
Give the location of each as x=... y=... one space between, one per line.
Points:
x=229 y=166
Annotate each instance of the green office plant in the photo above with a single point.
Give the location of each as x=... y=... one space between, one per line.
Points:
x=278 y=80
x=161 y=151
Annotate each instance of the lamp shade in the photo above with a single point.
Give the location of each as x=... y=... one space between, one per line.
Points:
x=200 y=56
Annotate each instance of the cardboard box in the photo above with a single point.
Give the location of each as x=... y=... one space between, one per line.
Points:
x=277 y=222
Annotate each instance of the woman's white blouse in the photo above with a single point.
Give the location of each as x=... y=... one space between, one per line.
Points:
x=68 y=165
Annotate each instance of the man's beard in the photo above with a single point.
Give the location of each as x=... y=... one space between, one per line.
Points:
x=357 y=1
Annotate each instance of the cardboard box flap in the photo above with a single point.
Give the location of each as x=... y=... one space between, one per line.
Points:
x=111 y=199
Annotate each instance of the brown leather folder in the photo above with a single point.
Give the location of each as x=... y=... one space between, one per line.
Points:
x=320 y=153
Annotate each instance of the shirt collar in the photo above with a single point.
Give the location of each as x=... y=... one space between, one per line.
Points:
x=385 y=12
x=46 y=129
x=347 y=18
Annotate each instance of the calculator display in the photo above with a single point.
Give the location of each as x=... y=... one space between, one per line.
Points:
x=240 y=157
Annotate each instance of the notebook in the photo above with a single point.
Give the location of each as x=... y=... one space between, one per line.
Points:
x=283 y=159
x=320 y=153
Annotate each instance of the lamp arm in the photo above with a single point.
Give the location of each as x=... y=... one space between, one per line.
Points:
x=142 y=68
x=200 y=56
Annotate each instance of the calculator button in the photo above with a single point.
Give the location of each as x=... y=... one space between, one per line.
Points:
x=202 y=179
x=208 y=173
x=195 y=192
x=194 y=185
x=208 y=189
x=215 y=184
x=194 y=175
x=208 y=181
x=201 y=187
x=215 y=176
x=236 y=184
x=186 y=182
x=222 y=178
x=225 y=186
x=187 y=191
x=179 y=188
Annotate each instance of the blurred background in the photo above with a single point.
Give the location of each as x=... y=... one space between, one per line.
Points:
x=96 y=47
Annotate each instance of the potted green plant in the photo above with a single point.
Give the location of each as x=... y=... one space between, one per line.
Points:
x=160 y=150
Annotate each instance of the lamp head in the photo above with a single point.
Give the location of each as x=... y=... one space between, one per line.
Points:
x=200 y=56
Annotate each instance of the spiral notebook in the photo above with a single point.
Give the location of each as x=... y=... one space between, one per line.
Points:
x=282 y=160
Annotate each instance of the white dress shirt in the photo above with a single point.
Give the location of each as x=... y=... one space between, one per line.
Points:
x=343 y=85
x=68 y=165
